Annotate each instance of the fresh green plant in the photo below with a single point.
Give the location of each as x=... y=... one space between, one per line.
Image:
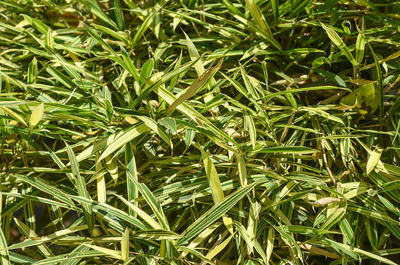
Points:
x=199 y=132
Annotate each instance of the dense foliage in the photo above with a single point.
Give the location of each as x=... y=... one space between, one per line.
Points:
x=200 y=132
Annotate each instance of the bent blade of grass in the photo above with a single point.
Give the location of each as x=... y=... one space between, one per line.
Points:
x=76 y=255
x=29 y=233
x=112 y=214
x=201 y=237
x=46 y=188
x=142 y=214
x=214 y=213
x=389 y=205
x=231 y=7
x=220 y=247
x=153 y=203
x=59 y=234
x=354 y=252
x=158 y=80
x=196 y=254
x=100 y=40
x=116 y=34
x=109 y=252
x=14 y=115
x=245 y=236
x=36 y=199
x=128 y=64
x=60 y=164
x=193 y=114
x=288 y=238
x=248 y=84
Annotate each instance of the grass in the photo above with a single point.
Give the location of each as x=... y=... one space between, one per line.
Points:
x=199 y=132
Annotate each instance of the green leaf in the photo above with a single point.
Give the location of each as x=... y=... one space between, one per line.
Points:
x=142 y=29
x=81 y=187
x=48 y=188
x=275 y=8
x=119 y=14
x=334 y=218
x=196 y=86
x=213 y=178
x=261 y=22
x=131 y=175
x=157 y=129
x=142 y=214
x=373 y=160
x=365 y=98
x=32 y=71
x=220 y=247
x=123 y=138
x=251 y=128
x=339 y=43
x=109 y=252
x=5 y=256
x=214 y=213
x=360 y=48
x=155 y=206
x=36 y=115
x=287 y=150
x=147 y=69
x=96 y=10
x=37 y=24
x=61 y=233
x=125 y=245
x=195 y=56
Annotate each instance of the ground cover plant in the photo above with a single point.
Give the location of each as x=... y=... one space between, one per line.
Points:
x=199 y=132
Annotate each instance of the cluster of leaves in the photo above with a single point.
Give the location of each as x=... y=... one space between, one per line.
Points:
x=199 y=132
